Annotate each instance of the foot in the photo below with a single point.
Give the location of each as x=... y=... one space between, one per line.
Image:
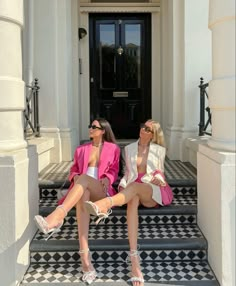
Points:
x=136 y=273
x=100 y=208
x=89 y=273
x=54 y=218
x=52 y=221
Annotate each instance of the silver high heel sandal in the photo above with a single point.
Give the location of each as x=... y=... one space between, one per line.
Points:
x=42 y=224
x=88 y=276
x=134 y=253
x=94 y=210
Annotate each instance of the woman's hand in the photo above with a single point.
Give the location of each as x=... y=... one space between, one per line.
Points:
x=76 y=177
x=159 y=181
x=120 y=189
x=105 y=184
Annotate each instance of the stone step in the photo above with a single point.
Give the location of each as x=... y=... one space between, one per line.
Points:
x=51 y=191
x=110 y=243
x=191 y=273
x=180 y=214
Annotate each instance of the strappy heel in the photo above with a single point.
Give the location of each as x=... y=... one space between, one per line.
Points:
x=88 y=276
x=134 y=253
x=93 y=209
x=42 y=224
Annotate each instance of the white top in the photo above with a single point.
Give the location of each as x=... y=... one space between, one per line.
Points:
x=92 y=172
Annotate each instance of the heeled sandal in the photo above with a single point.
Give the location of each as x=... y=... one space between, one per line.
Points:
x=42 y=224
x=88 y=276
x=93 y=209
x=134 y=253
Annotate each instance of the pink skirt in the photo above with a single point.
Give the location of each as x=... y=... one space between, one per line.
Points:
x=162 y=195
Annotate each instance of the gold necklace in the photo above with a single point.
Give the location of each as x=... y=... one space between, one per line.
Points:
x=97 y=145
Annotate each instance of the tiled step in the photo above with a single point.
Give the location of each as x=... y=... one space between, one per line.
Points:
x=50 y=190
x=177 y=201
x=177 y=173
x=172 y=273
x=165 y=215
x=157 y=243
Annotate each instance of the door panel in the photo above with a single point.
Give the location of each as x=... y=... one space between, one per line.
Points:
x=120 y=71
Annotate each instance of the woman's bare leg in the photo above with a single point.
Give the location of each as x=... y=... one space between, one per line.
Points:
x=83 y=219
x=132 y=221
x=143 y=191
x=82 y=183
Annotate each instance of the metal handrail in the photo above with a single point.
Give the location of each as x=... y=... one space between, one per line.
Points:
x=203 y=124
x=31 y=112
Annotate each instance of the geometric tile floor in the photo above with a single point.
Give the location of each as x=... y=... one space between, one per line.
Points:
x=173 y=249
x=120 y=232
x=119 y=272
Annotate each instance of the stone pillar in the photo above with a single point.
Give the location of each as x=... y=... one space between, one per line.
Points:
x=18 y=164
x=11 y=84
x=186 y=55
x=55 y=63
x=222 y=85
x=216 y=160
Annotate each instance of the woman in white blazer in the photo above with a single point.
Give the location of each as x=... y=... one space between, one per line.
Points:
x=143 y=184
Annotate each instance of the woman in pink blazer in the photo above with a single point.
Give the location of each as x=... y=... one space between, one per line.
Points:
x=143 y=184
x=95 y=169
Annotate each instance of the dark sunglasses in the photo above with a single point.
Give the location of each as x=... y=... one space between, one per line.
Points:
x=146 y=128
x=94 y=127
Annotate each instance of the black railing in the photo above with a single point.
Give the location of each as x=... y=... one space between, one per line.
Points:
x=31 y=113
x=203 y=124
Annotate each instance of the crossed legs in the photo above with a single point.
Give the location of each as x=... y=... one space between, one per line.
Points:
x=84 y=188
x=132 y=195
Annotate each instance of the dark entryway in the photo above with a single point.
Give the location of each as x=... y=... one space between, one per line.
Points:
x=120 y=70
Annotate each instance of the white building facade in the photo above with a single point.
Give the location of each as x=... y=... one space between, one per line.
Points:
x=189 y=39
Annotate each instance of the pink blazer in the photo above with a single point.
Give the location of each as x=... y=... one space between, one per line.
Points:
x=108 y=164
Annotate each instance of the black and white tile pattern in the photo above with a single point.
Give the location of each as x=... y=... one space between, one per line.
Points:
x=111 y=256
x=174 y=170
x=119 y=272
x=120 y=232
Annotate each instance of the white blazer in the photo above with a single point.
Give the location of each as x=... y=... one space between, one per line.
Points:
x=155 y=161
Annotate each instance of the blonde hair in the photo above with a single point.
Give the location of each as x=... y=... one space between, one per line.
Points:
x=158 y=135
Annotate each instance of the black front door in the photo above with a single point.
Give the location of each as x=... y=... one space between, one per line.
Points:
x=120 y=70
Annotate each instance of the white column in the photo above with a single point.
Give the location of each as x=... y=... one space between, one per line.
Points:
x=11 y=85
x=222 y=85
x=56 y=66
x=216 y=160
x=18 y=165
x=185 y=57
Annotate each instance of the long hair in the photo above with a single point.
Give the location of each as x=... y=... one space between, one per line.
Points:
x=158 y=135
x=108 y=134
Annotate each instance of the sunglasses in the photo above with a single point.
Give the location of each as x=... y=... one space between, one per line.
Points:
x=94 y=127
x=146 y=128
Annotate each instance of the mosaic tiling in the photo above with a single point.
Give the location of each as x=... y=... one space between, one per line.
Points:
x=174 y=170
x=111 y=256
x=178 y=191
x=118 y=272
x=143 y=219
x=177 y=201
x=120 y=232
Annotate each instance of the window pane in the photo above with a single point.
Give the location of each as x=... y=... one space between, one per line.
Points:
x=107 y=55
x=132 y=55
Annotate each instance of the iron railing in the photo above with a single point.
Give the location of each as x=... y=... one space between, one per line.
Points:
x=203 y=124
x=31 y=113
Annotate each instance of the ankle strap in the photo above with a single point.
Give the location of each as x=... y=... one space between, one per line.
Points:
x=62 y=208
x=111 y=201
x=81 y=251
x=133 y=253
